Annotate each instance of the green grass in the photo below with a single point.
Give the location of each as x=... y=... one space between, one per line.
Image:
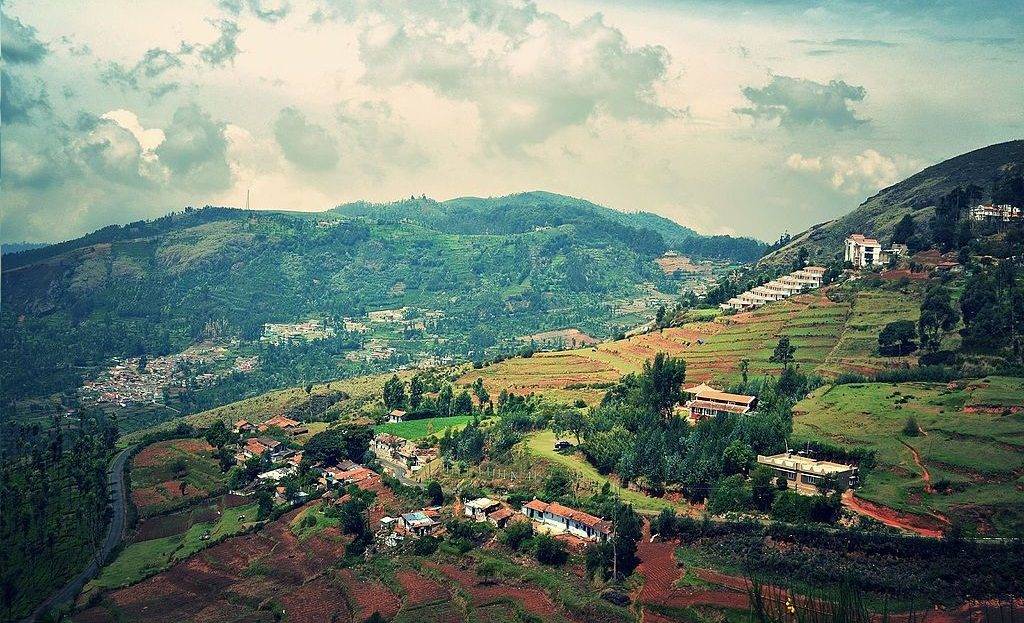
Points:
x=418 y=429
x=139 y=560
x=980 y=450
x=542 y=444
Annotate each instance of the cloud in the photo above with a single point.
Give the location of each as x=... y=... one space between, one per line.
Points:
x=372 y=129
x=859 y=174
x=194 y=149
x=113 y=153
x=21 y=99
x=529 y=73
x=797 y=102
x=848 y=42
x=20 y=45
x=270 y=10
x=225 y=48
x=306 y=145
x=143 y=75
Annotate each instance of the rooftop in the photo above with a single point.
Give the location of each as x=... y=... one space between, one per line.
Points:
x=803 y=464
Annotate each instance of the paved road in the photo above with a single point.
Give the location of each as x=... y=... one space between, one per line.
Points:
x=115 y=531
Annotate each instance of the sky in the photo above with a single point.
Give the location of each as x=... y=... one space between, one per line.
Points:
x=747 y=118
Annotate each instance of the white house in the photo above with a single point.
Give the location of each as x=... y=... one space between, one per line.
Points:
x=1002 y=212
x=862 y=251
x=558 y=519
x=396 y=416
x=479 y=508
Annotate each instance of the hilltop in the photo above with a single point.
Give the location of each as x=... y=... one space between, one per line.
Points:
x=495 y=269
x=916 y=196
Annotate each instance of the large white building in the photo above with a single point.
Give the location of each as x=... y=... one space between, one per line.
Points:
x=1001 y=212
x=862 y=251
x=777 y=289
x=557 y=519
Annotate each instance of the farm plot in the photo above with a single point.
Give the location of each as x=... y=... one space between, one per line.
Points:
x=418 y=429
x=967 y=463
x=171 y=474
x=161 y=541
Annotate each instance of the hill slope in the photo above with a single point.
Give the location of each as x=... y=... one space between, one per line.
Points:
x=916 y=196
x=499 y=268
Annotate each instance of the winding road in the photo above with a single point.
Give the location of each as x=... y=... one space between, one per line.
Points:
x=115 y=531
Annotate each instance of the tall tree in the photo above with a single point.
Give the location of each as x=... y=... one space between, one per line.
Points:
x=784 y=352
x=394 y=393
x=662 y=383
x=938 y=317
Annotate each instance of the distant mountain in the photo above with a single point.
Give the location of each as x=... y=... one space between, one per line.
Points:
x=530 y=211
x=917 y=196
x=15 y=247
x=498 y=268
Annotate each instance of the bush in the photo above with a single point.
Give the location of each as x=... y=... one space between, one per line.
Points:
x=911 y=429
x=793 y=507
x=665 y=523
x=549 y=550
x=516 y=535
x=730 y=495
x=425 y=545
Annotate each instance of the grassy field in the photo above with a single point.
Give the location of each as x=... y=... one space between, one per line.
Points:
x=542 y=444
x=171 y=474
x=143 y=558
x=418 y=429
x=971 y=440
x=832 y=334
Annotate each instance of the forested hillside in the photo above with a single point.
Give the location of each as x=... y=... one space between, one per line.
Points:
x=496 y=268
x=987 y=170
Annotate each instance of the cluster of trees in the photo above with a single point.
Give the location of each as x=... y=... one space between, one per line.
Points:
x=53 y=506
x=992 y=308
x=441 y=402
x=635 y=434
x=513 y=417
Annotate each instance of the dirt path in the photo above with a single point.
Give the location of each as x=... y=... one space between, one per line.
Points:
x=919 y=524
x=925 y=474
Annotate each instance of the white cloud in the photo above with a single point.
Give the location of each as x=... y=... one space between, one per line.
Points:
x=857 y=174
x=149 y=139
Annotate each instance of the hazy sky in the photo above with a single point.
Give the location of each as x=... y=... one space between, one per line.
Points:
x=729 y=117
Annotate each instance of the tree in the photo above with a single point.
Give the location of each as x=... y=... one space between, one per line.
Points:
x=549 y=550
x=665 y=523
x=762 y=488
x=334 y=444
x=800 y=261
x=904 y=230
x=784 y=352
x=444 y=401
x=662 y=383
x=394 y=393
x=557 y=484
x=910 y=428
x=416 y=391
x=938 y=317
x=435 y=493
x=745 y=370
x=571 y=421
x=730 y=495
x=264 y=504
x=737 y=458
x=897 y=338
x=463 y=404
x=516 y=534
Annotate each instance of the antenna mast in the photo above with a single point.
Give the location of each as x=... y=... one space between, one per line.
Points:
x=246 y=198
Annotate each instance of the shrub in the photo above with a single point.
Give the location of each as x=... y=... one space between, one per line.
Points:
x=911 y=429
x=516 y=535
x=549 y=550
x=425 y=545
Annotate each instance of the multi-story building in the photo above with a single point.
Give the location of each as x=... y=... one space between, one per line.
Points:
x=804 y=474
x=862 y=251
x=996 y=212
x=706 y=401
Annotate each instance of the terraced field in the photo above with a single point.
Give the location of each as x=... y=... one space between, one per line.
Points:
x=966 y=464
x=833 y=332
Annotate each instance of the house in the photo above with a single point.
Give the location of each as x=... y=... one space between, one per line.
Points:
x=500 y=518
x=277 y=475
x=418 y=523
x=862 y=251
x=288 y=425
x=803 y=474
x=396 y=416
x=707 y=401
x=558 y=519
x=353 y=475
x=242 y=426
x=479 y=508
x=1002 y=212
x=259 y=447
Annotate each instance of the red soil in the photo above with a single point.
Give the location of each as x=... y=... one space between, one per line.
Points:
x=532 y=599
x=420 y=589
x=922 y=525
x=370 y=596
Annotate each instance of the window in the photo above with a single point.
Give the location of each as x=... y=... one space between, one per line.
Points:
x=810 y=480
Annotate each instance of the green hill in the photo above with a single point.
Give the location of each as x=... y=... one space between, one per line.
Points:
x=496 y=268
x=916 y=196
